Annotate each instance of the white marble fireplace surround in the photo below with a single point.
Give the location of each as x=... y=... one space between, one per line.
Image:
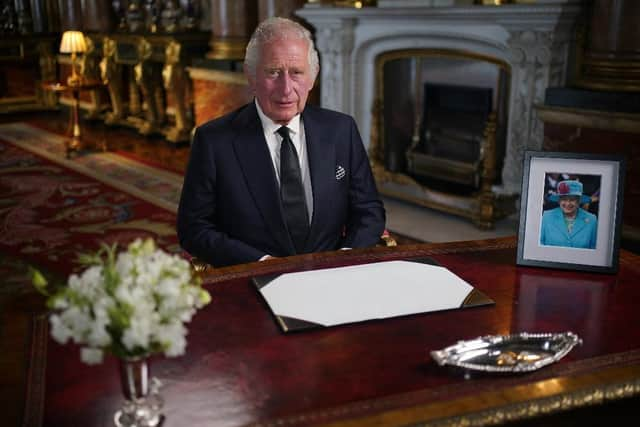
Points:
x=533 y=39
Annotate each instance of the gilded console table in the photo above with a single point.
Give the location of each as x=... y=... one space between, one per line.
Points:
x=148 y=71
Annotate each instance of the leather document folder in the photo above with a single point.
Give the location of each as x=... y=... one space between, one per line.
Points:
x=341 y=295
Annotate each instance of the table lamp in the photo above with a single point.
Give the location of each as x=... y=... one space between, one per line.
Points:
x=73 y=43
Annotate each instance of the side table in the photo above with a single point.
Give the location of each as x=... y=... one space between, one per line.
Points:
x=75 y=143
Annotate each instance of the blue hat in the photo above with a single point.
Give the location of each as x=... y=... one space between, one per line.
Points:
x=570 y=188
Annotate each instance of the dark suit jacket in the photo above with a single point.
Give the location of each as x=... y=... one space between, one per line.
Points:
x=230 y=210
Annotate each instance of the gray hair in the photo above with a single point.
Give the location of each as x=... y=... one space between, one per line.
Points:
x=273 y=29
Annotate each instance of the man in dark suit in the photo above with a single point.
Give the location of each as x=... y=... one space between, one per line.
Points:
x=276 y=177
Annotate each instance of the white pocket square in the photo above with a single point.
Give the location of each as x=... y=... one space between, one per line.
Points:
x=340 y=173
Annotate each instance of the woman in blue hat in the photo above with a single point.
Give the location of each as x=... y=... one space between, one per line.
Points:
x=569 y=225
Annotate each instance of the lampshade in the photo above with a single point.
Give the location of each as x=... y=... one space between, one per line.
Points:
x=73 y=42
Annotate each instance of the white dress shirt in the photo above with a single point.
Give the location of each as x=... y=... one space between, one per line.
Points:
x=274 y=141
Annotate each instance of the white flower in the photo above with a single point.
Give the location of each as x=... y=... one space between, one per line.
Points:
x=59 y=330
x=91 y=277
x=78 y=321
x=98 y=335
x=91 y=356
x=172 y=336
x=74 y=282
x=168 y=287
x=131 y=304
x=138 y=332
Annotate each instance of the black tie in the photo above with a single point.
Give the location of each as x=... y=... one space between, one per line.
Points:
x=292 y=192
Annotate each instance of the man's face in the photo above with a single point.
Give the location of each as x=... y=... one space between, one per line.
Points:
x=283 y=79
x=569 y=205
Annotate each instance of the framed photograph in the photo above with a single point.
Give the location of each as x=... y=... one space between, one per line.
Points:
x=571 y=211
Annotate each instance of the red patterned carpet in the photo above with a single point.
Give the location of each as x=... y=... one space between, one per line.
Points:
x=52 y=208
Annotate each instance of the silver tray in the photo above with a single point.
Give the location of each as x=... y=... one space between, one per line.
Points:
x=522 y=352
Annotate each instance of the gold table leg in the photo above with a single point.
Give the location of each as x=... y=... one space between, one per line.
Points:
x=76 y=138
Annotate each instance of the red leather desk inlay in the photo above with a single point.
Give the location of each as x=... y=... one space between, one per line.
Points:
x=241 y=369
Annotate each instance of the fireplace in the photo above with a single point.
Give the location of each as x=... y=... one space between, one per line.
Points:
x=526 y=44
x=435 y=106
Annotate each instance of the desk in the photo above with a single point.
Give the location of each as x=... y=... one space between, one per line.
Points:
x=75 y=143
x=240 y=369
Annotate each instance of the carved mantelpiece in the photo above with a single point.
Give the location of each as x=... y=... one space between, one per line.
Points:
x=532 y=39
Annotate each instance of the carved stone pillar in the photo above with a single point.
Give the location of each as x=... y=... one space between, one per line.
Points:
x=537 y=62
x=611 y=58
x=232 y=22
x=283 y=8
x=335 y=44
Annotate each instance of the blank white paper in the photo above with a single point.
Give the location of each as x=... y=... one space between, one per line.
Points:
x=340 y=295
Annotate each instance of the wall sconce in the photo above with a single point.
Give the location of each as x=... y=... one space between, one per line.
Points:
x=73 y=43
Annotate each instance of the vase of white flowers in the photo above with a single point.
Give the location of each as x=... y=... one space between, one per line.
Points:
x=131 y=304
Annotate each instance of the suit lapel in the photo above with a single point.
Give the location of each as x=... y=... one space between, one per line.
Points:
x=255 y=161
x=321 y=151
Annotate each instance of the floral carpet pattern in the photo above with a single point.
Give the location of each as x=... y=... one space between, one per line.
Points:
x=52 y=208
x=160 y=186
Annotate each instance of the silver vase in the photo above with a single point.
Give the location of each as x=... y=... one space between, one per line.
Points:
x=143 y=403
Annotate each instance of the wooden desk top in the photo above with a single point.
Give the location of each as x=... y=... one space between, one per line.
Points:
x=241 y=369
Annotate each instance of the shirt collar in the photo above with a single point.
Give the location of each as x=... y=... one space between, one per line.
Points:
x=270 y=127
